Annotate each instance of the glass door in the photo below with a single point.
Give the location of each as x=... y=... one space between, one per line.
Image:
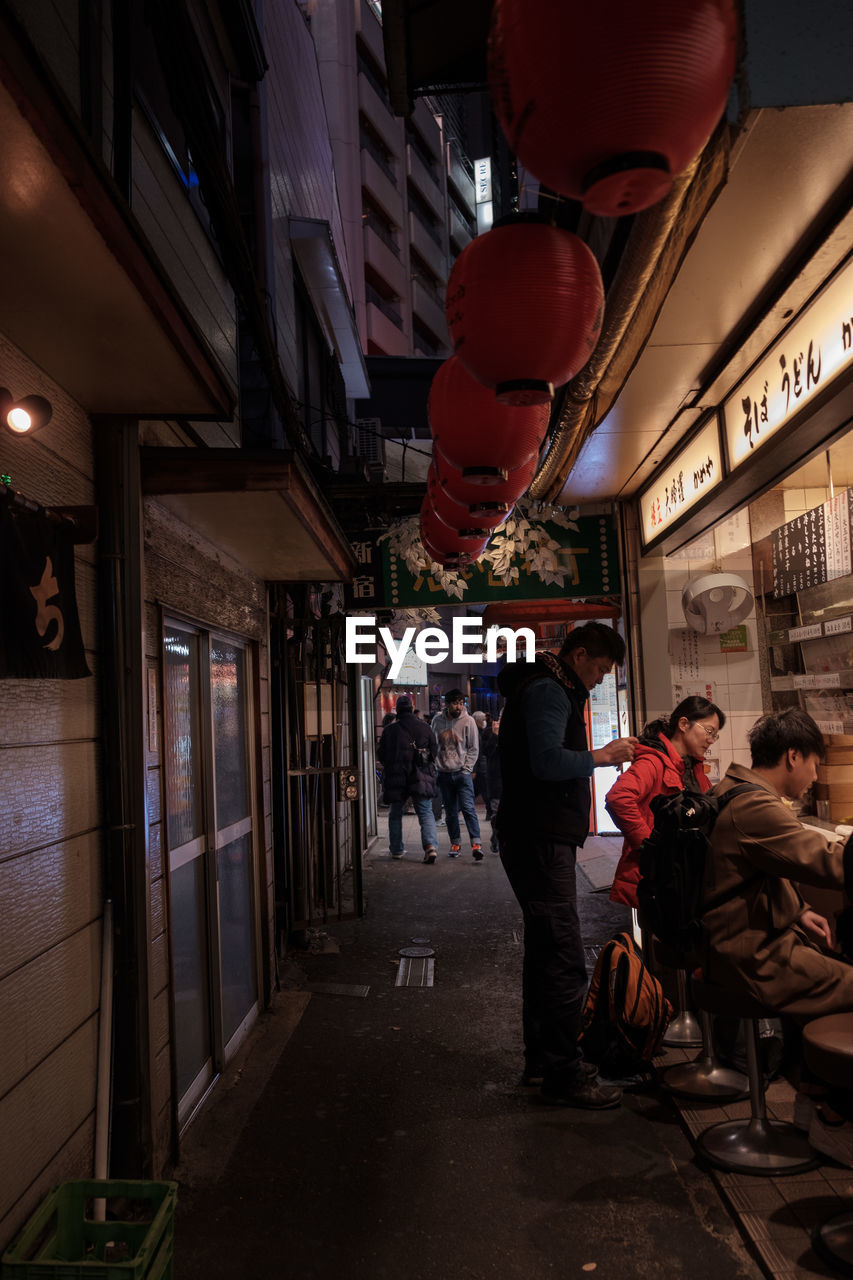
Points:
x=210 y=825
x=185 y=825
x=233 y=833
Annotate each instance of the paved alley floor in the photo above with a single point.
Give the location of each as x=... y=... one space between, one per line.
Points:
x=375 y=1131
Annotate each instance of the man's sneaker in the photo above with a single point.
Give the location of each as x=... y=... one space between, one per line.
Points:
x=584 y=1092
x=832 y=1138
x=429 y=853
x=477 y=851
x=455 y=851
x=398 y=855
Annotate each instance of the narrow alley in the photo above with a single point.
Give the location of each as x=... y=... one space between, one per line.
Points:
x=378 y=1131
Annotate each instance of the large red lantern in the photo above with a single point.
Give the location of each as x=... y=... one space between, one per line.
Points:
x=482 y=514
x=452 y=548
x=462 y=490
x=478 y=434
x=524 y=308
x=606 y=103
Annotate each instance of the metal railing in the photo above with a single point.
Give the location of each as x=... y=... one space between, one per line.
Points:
x=387 y=308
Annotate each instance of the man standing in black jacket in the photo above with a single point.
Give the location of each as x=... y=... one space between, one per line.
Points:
x=542 y=820
x=406 y=751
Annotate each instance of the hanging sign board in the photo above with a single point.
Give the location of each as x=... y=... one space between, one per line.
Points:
x=691 y=474
x=40 y=636
x=814 y=547
x=811 y=352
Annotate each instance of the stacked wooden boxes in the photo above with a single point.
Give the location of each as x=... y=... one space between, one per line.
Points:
x=835 y=778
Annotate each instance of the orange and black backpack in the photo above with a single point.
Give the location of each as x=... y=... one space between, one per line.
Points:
x=626 y=1012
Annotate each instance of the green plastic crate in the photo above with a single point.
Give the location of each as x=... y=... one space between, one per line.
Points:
x=62 y=1241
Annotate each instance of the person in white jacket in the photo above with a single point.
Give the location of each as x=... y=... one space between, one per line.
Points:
x=458 y=748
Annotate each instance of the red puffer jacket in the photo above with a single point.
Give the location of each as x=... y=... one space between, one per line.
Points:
x=657 y=770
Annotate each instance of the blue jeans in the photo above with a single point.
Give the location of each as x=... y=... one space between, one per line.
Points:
x=426 y=818
x=457 y=792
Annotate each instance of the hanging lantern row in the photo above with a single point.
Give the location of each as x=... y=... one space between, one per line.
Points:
x=607 y=103
x=524 y=308
x=484 y=513
x=452 y=548
x=478 y=434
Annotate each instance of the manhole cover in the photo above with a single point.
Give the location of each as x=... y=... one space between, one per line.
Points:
x=416 y=953
x=420 y=942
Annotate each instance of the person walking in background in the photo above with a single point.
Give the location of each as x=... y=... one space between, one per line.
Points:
x=481 y=779
x=543 y=818
x=458 y=748
x=668 y=759
x=406 y=751
x=490 y=751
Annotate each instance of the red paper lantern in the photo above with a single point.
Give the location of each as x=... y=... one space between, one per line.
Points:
x=462 y=490
x=452 y=548
x=484 y=513
x=524 y=308
x=606 y=103
x=478 y=434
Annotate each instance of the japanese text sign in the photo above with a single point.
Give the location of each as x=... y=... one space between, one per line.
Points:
x=816 y=347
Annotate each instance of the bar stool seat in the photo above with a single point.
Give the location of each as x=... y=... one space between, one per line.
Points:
x=684 y=1031
x=828 y=1050
x=756 y=1145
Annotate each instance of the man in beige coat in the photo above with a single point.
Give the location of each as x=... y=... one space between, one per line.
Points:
x=763 y=937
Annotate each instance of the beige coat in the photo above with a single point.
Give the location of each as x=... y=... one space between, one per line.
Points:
x=753 y=940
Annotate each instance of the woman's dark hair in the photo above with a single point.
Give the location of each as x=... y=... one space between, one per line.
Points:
x=693 y=708
x=781 y=731
x=598 y=640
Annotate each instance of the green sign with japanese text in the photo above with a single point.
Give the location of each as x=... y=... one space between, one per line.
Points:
x=589 y=554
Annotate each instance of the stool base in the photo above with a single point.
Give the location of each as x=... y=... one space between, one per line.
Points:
x=833 y=1242
x=705 y=1079
x=768 y=1148
x=683 y=1032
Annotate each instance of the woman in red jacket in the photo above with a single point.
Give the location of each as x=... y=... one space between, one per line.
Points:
x=668 y=759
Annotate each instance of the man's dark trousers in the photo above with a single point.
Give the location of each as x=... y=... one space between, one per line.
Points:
x=542 y=874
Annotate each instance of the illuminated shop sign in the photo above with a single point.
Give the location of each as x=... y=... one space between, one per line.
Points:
x=483 y=194
x=689 y=476
x=814 y=350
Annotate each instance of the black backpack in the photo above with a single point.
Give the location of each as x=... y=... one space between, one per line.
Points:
x=672 y=865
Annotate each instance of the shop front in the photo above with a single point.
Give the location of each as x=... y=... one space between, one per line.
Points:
x=743 y=567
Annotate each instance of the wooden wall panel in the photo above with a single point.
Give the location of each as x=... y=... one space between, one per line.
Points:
x=160 y=1021
x=37 y=711
x=160 y=976
x=47 y=896
x=46 y=1001
x=187 y=574
x=39 y=1116
x=73 y=1160
x=51 y=792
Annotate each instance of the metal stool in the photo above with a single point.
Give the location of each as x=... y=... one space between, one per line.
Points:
x=706 y=1078
x=684 y=1032
x=755 y=1145
x=828 y=1050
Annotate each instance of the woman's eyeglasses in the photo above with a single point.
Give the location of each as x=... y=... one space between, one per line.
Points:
x=711 y=734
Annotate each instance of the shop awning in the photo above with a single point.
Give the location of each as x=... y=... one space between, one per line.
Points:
x=82 y=293
x=262 y=508
x=314 y=251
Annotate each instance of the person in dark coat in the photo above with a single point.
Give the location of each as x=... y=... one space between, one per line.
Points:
x=406 y=752
x=543 y=818
x=494 y=783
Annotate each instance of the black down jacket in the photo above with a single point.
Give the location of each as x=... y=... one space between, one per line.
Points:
x=396 y=754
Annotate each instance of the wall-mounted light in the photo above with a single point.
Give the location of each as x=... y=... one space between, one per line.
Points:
x=26 y=415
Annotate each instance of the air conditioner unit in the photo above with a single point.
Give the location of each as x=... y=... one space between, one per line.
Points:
x=370 y=445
